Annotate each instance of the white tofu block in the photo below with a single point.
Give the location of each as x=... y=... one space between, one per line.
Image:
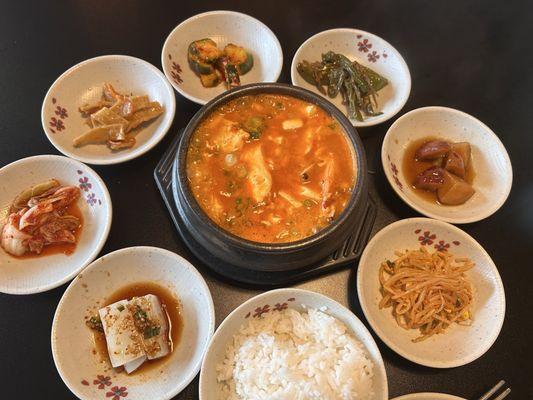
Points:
x=124 y=343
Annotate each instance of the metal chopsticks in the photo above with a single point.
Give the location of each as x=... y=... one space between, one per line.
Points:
x=492 y=391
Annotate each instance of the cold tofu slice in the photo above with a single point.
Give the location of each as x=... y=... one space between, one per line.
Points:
x=98 y=135
x=124 y=343
x=133 y=365
x=464 y=150
x=156 y=333
x=454 y=190
x=258 y=178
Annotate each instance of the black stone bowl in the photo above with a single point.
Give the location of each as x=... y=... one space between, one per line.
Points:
x=247 y=254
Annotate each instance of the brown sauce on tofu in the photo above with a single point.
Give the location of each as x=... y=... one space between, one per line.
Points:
x=172 y=308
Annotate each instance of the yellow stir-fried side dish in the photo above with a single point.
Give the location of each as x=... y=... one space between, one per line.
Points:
x=427 y=291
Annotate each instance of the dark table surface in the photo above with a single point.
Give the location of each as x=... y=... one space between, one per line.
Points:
x=475 y=56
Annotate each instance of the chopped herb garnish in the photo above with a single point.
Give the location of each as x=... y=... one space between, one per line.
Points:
x=120 y=308
x=333 y=125
x=254 y=126
x=390 y=264
x=95 y=323
x=255 y=135
x=140 y=315
x=279 y=105
x=151 y=331
x=308 y=203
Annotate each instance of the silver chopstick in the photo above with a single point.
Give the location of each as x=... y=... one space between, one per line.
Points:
x=503 y=394
x=493 y=390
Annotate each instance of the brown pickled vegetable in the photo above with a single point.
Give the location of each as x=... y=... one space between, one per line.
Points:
x=440 y=170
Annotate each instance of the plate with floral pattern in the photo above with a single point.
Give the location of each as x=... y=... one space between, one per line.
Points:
x=83 y=84
x=458 y=344
x=85 y=367
x=369 y=50
x=33 y=274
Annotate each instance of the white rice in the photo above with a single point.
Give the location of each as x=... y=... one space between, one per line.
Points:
x=290 y=355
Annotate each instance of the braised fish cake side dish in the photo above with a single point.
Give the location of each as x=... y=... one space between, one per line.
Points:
x=271 y=168
x=113 y=118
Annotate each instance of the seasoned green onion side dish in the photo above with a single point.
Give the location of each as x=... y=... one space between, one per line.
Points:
x=213 y=65
x=357 y=84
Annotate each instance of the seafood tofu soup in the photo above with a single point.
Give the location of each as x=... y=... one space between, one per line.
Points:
x=271 y=168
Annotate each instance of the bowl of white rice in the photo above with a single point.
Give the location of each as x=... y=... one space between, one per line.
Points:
x=292 y=344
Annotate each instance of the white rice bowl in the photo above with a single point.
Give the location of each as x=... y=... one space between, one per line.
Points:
x=293 y=355
x=292 y=344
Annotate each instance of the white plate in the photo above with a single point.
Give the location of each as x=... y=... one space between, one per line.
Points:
x=428 y=396
x=38 y=274
x=281 y=298
x=72 y=341
x=82 y=83
x=459 y=345
x=369 y=50
x=492 y=166
x=223 y=27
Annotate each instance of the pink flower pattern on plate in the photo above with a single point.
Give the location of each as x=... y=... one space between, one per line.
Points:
x=117 y=392
x=61 y=112
x=373 y=57
x=364 y=46
x=259 y=311
x=428 y=238
x=86 y=186
x=57 y=124
x=176 y=71
x=394 y=170
x=102 y=381
x=442 y=246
